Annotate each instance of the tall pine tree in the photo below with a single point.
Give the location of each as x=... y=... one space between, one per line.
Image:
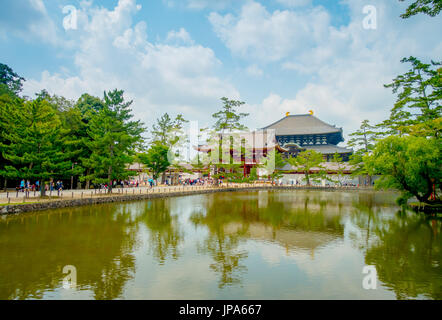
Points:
x=33 y=130
x=114 y=139
x=419 y=96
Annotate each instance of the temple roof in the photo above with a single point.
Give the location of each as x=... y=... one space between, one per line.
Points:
x=302 y=124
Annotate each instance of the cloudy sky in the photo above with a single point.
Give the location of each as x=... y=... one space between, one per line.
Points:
x=182 y=56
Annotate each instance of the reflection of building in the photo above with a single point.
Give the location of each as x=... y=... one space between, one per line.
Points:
x=306 y=132
x=288 y=238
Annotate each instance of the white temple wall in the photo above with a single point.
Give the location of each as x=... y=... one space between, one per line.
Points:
x=293 y=179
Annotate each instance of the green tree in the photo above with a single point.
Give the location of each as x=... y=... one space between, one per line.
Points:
x=114 y=139
x=33 y=131
x=7 y=102
x=72 y=142
x=87 y=106
x=59 y=103
x=10 y=86
x=156 y=159
x=419 y=96
x=170 y=133
x=201 y=163
x=10 y=80
x=306 y=161
x=228 y=117
x=165 y=130
x=410 y=164
x=340 y=167
x=272 y=163
x=428 y=7
x=73 y=133
x=363 y=140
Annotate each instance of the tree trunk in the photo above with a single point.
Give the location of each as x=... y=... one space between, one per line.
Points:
x=6 y=184
x=307 y=179
x=109 y=178
x=88 y=182
x=42 y=188
x=369 y=180
x=109 y=173
x=163 y=177
x=215 y=174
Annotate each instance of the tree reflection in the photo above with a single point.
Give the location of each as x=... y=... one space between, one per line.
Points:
x=408 y=256
x=165 y=235
x=38 y=246
x=405 y=247
x=222 y=247
x=295 y=225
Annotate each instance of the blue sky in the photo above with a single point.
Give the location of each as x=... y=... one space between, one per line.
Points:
x=182 y=56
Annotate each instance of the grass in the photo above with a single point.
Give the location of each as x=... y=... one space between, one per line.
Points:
x=16 y=203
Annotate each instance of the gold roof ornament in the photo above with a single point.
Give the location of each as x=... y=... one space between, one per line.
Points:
x=287 y=114
x=311 y=112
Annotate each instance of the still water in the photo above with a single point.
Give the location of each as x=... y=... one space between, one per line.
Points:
x=243 y=245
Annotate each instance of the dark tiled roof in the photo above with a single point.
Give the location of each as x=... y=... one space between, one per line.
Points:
x=301 y=124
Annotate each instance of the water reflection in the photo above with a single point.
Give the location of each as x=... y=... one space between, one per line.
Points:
x=406 y=250
x=307 y=224
x=253 y=245
x=165 y=234
x=35 y=248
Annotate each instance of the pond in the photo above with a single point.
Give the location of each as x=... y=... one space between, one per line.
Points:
x=237 y=245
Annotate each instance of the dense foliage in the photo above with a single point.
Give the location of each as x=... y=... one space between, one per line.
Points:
x=428 y=7
x=405 y=149
x=50 y=137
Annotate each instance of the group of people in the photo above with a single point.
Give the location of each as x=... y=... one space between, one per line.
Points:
x=195 y=182
x=128 y=183
x=27 y=186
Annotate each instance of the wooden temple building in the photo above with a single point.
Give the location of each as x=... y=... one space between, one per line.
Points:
x=288 y=136
x=306 y=132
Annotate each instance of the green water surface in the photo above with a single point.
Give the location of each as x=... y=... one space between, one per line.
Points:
x=240 y=245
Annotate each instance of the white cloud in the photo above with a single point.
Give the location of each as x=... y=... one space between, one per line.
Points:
x=254 y=71
x=202 y=4
x=294 y=3
x=345 y=66
x=259 y=34
x=110 y=51
x=181 y=36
